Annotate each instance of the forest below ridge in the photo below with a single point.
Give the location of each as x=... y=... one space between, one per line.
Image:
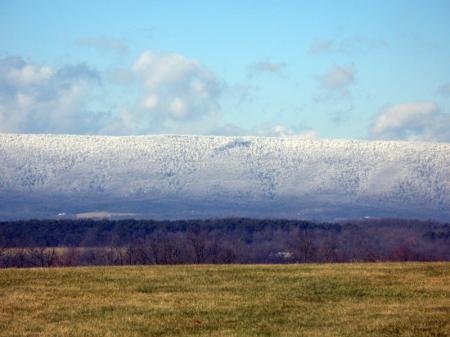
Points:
x=83 y=242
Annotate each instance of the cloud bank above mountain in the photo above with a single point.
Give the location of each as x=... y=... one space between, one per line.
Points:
x=173 y=95
x=418 y=121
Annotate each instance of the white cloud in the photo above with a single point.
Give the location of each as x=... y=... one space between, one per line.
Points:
x=178 y=108
x=39 y=99
x=176 y=88
x=168 y=94
x=104 y=44
x=165 y=93
x=175 y=95
x=151 y=102
x=405 y=121
x=29 y=74
x=437 y=131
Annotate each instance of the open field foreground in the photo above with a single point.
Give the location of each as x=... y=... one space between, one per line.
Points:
x=379 y=299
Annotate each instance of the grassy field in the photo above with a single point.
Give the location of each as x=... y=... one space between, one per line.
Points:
x=382 y=299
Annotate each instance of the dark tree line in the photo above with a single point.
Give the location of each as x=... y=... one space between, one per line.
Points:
x=83 y=242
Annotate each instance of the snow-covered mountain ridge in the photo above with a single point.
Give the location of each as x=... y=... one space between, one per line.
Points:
x=202 y=176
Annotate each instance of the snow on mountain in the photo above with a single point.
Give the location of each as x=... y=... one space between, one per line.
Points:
x=200 y=176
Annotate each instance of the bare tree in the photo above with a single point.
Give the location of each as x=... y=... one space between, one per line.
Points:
x=42 y=256
x=70 y=257
x=403 y=253
x=303 y=246
x=328 y=250
x=199 y=241
x=5 y=246
x=131 y=254
x=143 y=253
x=169 y=250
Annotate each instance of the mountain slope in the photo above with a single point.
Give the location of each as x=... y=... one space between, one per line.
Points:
x=199 y=176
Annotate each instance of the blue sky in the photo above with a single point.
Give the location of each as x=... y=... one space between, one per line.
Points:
x=330 y=69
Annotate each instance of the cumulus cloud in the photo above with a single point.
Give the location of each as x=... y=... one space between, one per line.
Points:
x=411 y=121
x=165 y=93
x=104 y=44
x=169 y=94
x=175 y=95
x=437 y=131
x=39 y=99
x=176 y=88
x=266 y=66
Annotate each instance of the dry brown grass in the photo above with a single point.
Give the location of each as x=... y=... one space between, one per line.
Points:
x=390 y=299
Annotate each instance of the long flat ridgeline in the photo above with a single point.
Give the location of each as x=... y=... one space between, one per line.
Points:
x=377 y=299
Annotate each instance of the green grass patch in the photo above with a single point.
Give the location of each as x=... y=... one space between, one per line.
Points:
x=383 y=299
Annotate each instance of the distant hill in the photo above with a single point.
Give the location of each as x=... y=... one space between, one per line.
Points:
x=170 y=177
